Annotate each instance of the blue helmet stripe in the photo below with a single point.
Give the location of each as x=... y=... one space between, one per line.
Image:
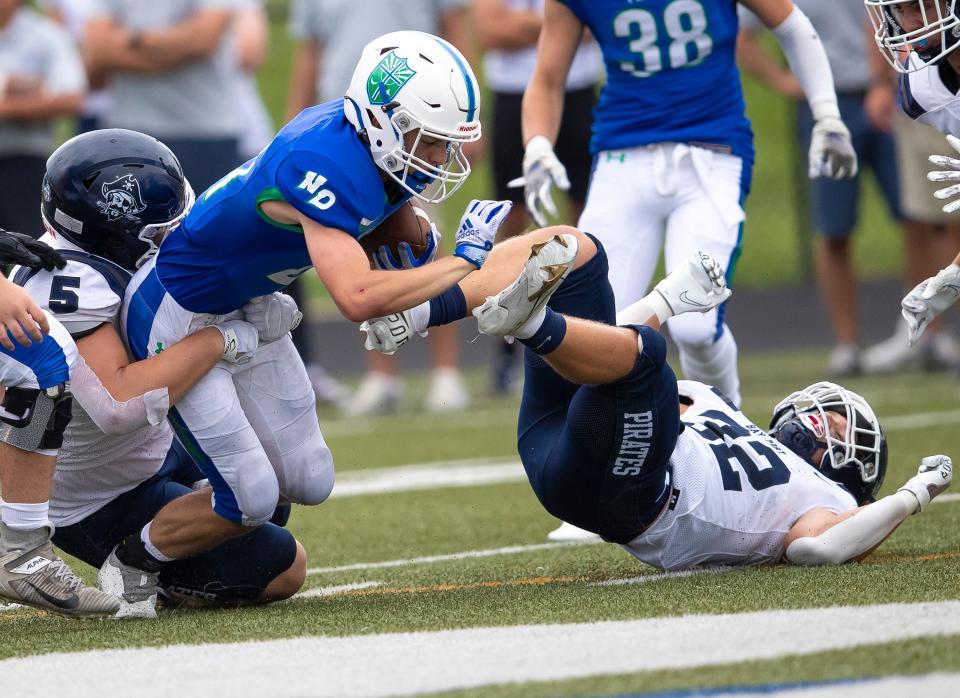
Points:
x=471 y=89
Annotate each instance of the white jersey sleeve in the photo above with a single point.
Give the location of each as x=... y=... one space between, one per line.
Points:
x=736 y=491
x=924 y=97
x=85 y=294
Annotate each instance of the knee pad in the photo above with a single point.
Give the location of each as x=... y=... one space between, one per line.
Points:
x=32 y=419
x=694 y=331
x=309 y=474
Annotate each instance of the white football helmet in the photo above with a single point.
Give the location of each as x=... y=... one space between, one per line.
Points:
x=858 y=460
x=929 y=28
x=408 y=81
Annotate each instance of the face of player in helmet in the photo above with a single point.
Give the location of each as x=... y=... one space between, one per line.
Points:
x=805 y=434
x=918 y=14
x=433 y=150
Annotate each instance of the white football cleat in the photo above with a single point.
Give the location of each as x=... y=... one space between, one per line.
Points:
x=568 y=533
x=699 y=284
x=378 y=393
x=388 y=333
x=547 y=267
x=448 y=391
x=136 y=589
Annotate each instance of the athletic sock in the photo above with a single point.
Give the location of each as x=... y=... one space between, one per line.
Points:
x=714 y=365
x=21 y=517
x=449 y=306
x=133 y=552
x=549 y=335
x=148 y=544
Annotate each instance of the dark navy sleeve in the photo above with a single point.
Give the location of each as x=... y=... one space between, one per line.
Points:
x=910 y=106
x=654 y=345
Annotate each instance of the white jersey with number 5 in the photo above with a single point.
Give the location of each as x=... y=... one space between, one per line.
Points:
x=736 y=491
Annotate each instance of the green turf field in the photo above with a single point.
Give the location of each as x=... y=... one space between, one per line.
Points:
x=524 y=581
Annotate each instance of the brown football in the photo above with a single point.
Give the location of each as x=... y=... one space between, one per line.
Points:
x=404 y=225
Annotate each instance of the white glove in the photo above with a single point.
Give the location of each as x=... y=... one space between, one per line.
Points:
x=478 y=228
x=928 y=299
x=387 y=334
x=696 y=286
x=933 y=477
x=541 y=170
x=950 y=174
x=273 y=316
x=831 y=151
x=240 y=340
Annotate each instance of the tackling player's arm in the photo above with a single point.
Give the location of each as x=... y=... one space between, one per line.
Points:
x=20 y=316
x=360 y=292
x=823 y=537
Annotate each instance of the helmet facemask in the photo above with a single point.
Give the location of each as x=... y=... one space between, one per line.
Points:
x=936 y=37
x=856 y=460
x=153 y=233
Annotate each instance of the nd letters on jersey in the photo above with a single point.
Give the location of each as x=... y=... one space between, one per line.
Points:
x=228 y=251
x=671 y=74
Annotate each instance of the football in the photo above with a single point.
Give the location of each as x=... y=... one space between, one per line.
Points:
x=407 y=224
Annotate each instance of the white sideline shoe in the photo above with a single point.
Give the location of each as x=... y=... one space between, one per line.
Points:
x=378 y=393
x=547 y=267
x=136 y=589
x=448 y=392
x=568 y=533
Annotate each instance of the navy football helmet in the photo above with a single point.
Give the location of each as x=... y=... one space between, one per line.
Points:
x=858 y=460
x=115 y=193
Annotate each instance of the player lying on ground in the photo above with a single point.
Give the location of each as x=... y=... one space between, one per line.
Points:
x=673 y=472
x=118 y=467
x=34 y=412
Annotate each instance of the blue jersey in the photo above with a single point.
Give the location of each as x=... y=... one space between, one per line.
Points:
x=671 y=74
x=227 y=250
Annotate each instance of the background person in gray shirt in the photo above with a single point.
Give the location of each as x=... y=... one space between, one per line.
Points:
x=41 y=79
x=171 y=70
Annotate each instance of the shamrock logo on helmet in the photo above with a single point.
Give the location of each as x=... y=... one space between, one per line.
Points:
x=386 y=80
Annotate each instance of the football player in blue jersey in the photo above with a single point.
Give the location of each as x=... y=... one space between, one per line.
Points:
x=673 y=150
x=670 y=470
x=329 y=177
x=35 y=409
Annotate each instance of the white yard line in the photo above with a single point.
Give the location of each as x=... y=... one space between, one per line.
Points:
x=659 y=577
x=338 y=589
x=450 y=557
x=428 y=476
x=920 y=420
x=402 y=664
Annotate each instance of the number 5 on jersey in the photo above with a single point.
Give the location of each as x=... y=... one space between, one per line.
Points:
x=322 y=198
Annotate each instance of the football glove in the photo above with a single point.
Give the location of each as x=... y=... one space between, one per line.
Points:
x=928 y=299
x=389 y=333
x=950 y=173
x=696 y=286
x=240 y=340
x=274 y=315
x=383 y=257
x=933 y=477
x=831 y=151
x=541 y=170
x=16 y=248
x=478 y=228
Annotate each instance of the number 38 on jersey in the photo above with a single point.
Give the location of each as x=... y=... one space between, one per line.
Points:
x=673 y=38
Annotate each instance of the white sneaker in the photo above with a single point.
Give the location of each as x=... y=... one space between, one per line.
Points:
x=944 y=350
x=326 y=388
x=567 y=533
x=843 y=361
x=547 y=267
x=895 y=353
x=448 y=392
x=136 y=589
x=379 y=393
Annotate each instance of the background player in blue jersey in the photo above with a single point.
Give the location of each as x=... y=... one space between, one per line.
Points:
x=329 y=177
x=35 y=408
x=673 y=150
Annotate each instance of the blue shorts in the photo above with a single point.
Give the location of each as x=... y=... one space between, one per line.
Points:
x=833 y=203
x=238 y=570
x=598 y=456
